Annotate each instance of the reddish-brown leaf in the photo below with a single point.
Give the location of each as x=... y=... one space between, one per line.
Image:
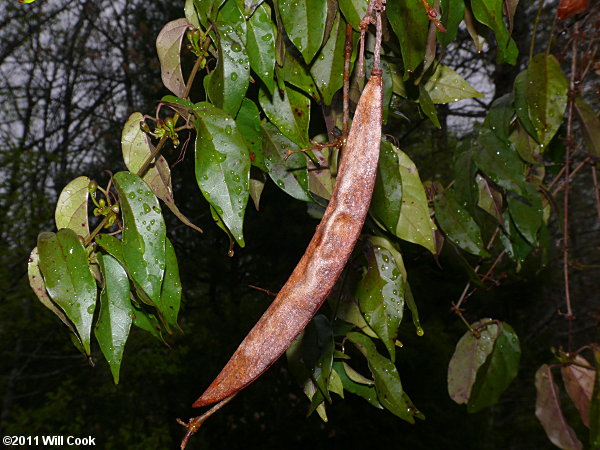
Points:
x=579 y=383
x=568 y=8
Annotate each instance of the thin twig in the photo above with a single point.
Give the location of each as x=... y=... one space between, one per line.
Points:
x=196 y=422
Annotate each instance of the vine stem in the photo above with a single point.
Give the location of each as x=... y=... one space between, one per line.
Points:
x=196 y=422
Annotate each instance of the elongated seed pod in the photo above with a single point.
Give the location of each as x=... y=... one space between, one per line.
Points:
x=324 y=259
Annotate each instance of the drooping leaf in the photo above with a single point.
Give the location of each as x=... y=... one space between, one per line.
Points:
x=260 y=43
x=458 y=224
x=470 y=354
x=590 y=125
x=190 y=13
x=499 y=160
x=410 y=25
x=387 y=195
x=63 y=262
x=490 y=200
x=353 y=11
x=147 y=321
x=144 y=234
x=412 y=306
x=499 y=370
x=231 y=13
x=521 y=106
x=470 y=23
x=304 y=22
x=249 y=124
x=446 y=86
x=37 y=283
x=549 y=413
x=227 y=83
x=526 y=213
x=365 y=391
x=207 y=10
x=256 y=186
x=414 y=224
x=499 y=116
x=453 y=12
x=328 y=68
x=489 y=12
x=170 y=295
x=387 y=380
x=168 y=47
x=380 y=294
x=136 y=148
x=514 y=243
x=114 y=320
x=290 y=112
x=579 y=383
x=546 y=94
x=288 y=174
x=428 y=107
x=222 y=166
x=71 y=208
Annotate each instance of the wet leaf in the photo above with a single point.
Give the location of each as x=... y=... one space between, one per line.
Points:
x=489 y=12
x=320 y=180
x=414 y=224
x=380 y=294
x=304 y=22
x=387 y=195
x=514 y=243
x=249 y=124
x=365 y=391
x=296 y=73
x=144 y=234
x=579 y=383
x=207 y=10
x=257 y=184
x=546 y=94
x=453 y=12
x=260 y=43
x=328 y=68
x=428 y=107
x=590 y=125
x=147 y=321
x=227 y=83
x=289 y=174
x=499 y=370
x=387 y=380
x=114 y=320
x=63 y=262
x=71 y=208
x=170 y=295
x=136 y=148
x=499 y=116
x=222 y=166
x=526 y=213
x=410 y=25
x=490 y=200
x=521 y=106
x=37 y=283
x=549 y=413
x=446 y=86
x=470 y=354
x=231 y=14
x=168 y=47
x=353 y=11
x=458 y=225
x=290 y=112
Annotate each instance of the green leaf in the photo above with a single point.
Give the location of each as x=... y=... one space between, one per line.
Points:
x=521 y=106
x=69 y=282
x=549 y=413
x=297 y=74
x=320 y=179
x=387 y=195
x=412 y=306
x=527 y=213
x=290 y=112
x=498 y=371
x=354 y=11
x=428 y=107
x=546 y=94
x=71 y=208
x=490 y=200
x=453 y=12
x=249 y=124
x=257 y=184
x=222 y=166
x=387 y=381
x=380 y=294
x=304 y=23
x=144 y=234
x=207 y=10
x=470 y=354
x=499 y=160
x=367 y=392
x=227 y=84
x=499 y=116
x=328 y=68
x=168 y=47
x=595 y=404
x=231 y=14
x=114 y=320
x=289 y=174
x=37 y=283
x=170 y=295
x=446 y=86
x=190 y=13
x=514 y=243
x=458 y=225
x=137 y=147
x=590 y=125
x=147 y=321
x=489 y=12
x=410 y=24
x=260 y=43
x=414 y=224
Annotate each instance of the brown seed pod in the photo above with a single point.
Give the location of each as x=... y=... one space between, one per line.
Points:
x=324 y=259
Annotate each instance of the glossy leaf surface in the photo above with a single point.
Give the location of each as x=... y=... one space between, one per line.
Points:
x=168 y=47
x=490 y=13
x=260 y=43
x=447 y=86
x=71 y=208
x=410 y=24
x=304 y=22
x=387 y=195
